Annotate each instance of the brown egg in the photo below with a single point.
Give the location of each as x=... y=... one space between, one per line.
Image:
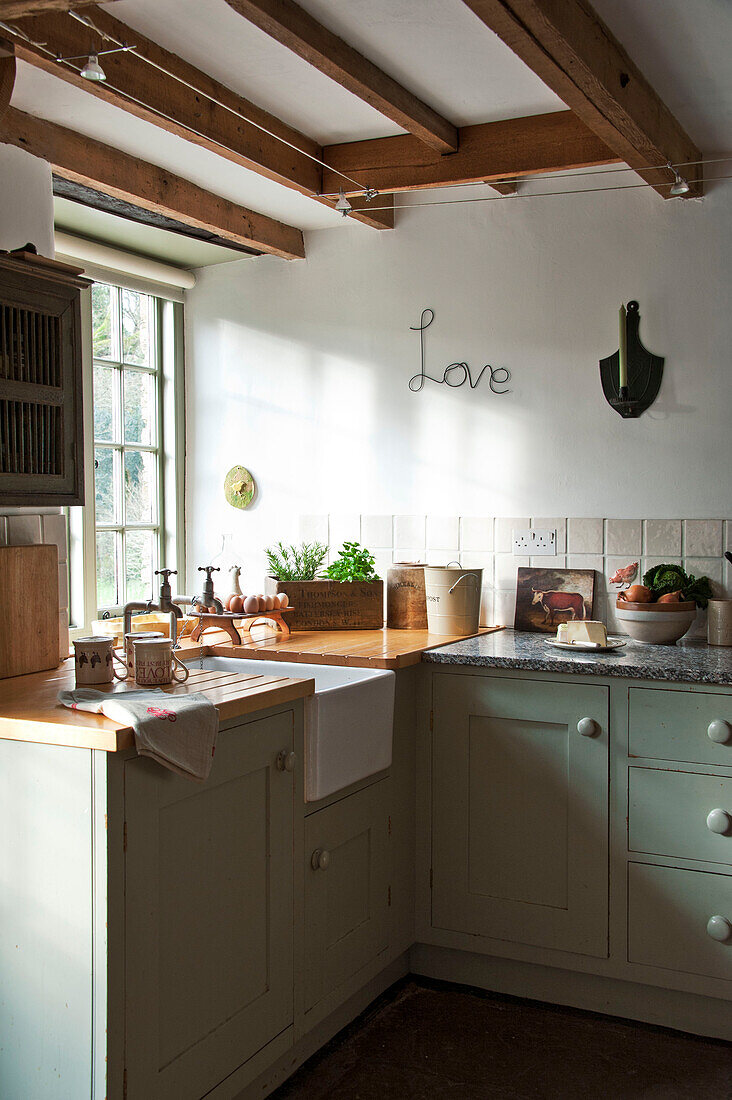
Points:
x=284 y=599
x=269 y=603
x=236 y=604
x=262 y=600
x=251 y=605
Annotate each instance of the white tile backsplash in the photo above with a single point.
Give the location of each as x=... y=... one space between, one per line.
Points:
x=506 y=568
x=591 y=542
x=504 y=528
x=343 y=528
x=410 y=531
x=377 y=531
x=476 y=533
x=702 y=538
x=314 y=529
x=54 y=530
x=662 y=536
x=444 y=531
x=584 y=536
x=623 y=536
x=24 y=530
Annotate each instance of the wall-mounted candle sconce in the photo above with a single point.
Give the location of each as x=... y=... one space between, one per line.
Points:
x=631 y=377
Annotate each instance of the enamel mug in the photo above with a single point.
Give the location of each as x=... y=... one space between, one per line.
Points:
x=155 y=662
x=94 y=659
x=137 y=635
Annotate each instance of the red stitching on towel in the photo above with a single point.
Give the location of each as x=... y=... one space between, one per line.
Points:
x=162 y=713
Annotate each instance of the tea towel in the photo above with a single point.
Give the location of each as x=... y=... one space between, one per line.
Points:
x=179 y=731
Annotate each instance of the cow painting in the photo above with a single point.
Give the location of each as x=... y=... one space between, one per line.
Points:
x=546 y=597
x=558 y=602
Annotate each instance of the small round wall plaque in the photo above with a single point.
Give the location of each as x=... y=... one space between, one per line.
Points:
x=239 y=487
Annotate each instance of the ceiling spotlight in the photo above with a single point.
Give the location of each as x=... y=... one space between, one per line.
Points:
x=343 y=205
x=679 y=186
x=93 y=70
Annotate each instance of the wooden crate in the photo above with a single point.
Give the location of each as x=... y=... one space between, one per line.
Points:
x=331 y=605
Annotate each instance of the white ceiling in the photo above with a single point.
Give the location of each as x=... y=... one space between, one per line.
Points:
x=436 y=48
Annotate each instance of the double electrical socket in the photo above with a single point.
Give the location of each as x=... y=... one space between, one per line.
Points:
x=533 y=541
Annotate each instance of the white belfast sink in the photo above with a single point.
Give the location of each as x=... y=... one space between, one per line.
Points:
x=349 y=721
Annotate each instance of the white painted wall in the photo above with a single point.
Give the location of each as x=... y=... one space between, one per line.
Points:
x=26 y=201
x=299 y=370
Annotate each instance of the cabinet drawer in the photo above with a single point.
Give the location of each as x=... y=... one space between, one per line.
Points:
x=668 y=914
x=676 y=725
x=668 y=812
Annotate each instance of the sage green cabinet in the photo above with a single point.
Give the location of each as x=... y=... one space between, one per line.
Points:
x=208 y=913
x=680 y=920
x=347 y=889
x=520 y=811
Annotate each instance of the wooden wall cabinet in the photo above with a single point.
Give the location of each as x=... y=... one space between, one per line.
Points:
x=41 y=430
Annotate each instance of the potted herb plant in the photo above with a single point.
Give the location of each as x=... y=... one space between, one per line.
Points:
x=347 y=595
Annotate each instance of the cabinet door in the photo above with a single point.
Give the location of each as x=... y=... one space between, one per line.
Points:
x=520 y=811
x=346 y=889
x=209 y=913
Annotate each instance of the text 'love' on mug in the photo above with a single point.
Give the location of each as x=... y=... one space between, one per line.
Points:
x=156 y=664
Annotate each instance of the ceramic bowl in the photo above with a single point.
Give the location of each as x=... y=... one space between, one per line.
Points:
x=655 y=623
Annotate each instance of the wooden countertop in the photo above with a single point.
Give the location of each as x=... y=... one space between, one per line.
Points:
x=384 y=648
x=29 y=710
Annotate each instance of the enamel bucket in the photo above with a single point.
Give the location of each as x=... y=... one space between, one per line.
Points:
x=453 y=599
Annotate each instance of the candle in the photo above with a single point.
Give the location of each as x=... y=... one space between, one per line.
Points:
x=623 y=352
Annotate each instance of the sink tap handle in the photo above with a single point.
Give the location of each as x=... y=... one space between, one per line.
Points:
x=165 y=583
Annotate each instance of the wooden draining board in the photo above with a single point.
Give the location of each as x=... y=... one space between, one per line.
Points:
x=386 y=648
x=29 y=710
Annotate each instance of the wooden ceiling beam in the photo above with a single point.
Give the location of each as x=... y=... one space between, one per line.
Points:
x=569 y=47
x=7 y=74
x=18 y=9
x=291 y=25
x=151 y=89
x=145 y=89
x=488 y=153
x=87 y=162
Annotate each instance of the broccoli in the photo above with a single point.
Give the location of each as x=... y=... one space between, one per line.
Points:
x=662 y=579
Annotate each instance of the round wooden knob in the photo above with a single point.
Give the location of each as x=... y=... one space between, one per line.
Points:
x=320 y=859
x=718 y=821
x=719 y=928
x=286 y=761
x=719 y=731
x=588 y=727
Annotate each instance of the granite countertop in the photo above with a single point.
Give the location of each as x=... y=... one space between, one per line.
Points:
x=686 y=662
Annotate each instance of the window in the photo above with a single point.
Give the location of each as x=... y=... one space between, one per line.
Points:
x=128 y=330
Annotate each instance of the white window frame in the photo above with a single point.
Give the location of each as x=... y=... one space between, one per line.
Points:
x=171 y=413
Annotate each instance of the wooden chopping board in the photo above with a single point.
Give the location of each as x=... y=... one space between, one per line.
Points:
x=28 y=609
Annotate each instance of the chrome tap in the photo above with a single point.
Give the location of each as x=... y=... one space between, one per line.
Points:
x=165 y=604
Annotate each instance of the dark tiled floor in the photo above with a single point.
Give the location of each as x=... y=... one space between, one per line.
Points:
x=429 y=1041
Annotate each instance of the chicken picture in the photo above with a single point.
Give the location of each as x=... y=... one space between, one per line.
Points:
x=625 y=575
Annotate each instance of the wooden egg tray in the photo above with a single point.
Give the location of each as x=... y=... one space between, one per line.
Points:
x=209 y=620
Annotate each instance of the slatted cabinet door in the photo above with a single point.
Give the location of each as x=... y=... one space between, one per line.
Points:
x=520 y=811
x=41 y=440
x=209 y=913
x=347 y=877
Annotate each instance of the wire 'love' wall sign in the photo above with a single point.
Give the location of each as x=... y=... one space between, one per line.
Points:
x=455 y=374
